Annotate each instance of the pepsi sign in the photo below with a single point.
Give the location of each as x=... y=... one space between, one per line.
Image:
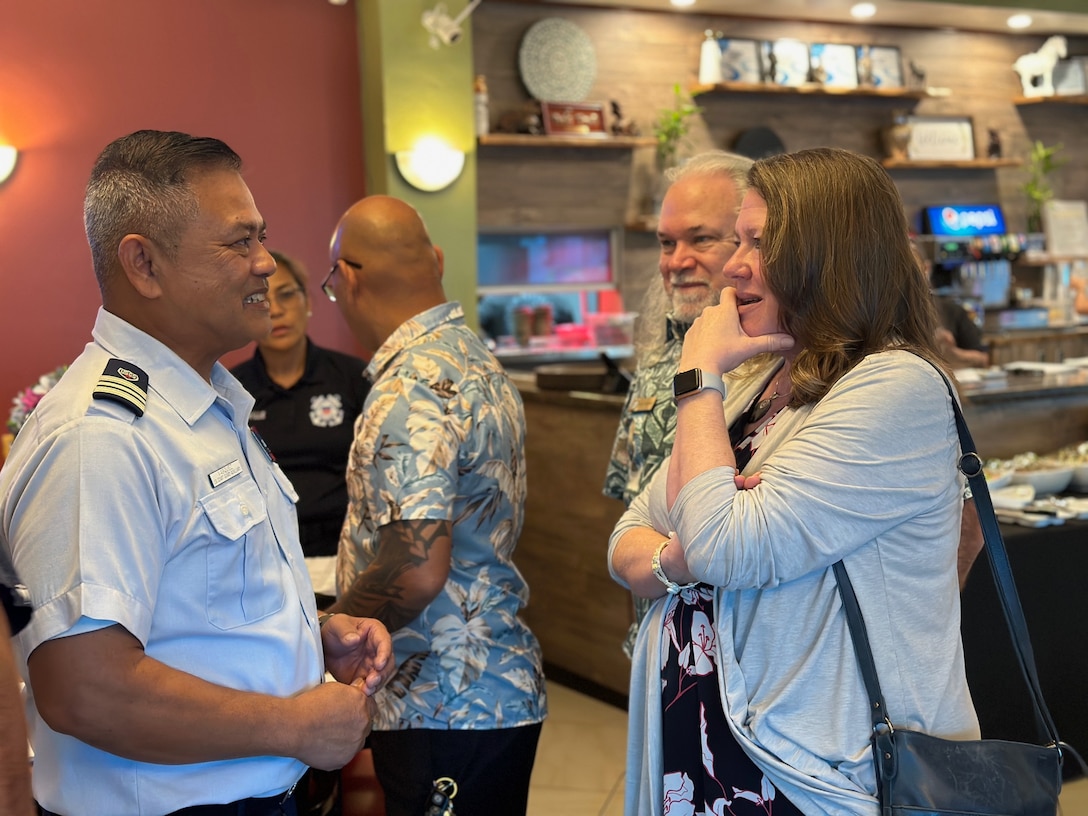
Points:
x=965 y=221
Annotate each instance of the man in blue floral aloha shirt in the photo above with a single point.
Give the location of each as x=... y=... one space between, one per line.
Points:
x=696 y=232
x=436 y=490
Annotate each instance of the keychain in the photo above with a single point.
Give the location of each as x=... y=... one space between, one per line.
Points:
x=441 y=799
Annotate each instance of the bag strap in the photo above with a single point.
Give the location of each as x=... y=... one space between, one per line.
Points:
x=970 y=465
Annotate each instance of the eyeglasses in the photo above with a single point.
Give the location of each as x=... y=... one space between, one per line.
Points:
x=287 y=298
x=326 y=287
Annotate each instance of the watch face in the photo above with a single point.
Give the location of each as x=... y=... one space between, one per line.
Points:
x=687 y=382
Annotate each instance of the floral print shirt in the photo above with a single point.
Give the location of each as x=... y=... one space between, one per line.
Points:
x=648 y=421
x=645 y=437
x=442 y=437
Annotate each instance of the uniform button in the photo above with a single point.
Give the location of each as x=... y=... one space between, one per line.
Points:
x=245 y=509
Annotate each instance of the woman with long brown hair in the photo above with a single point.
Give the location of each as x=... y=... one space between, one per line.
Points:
x=837 y=442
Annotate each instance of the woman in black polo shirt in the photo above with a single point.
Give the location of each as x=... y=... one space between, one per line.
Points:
x=307 y=400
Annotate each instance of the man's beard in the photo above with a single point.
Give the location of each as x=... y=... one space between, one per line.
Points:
x=686 y=305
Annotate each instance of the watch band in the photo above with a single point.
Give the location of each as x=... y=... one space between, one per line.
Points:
x=695 y=380
x=655 y=566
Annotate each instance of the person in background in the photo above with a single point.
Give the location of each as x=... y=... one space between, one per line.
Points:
x=836 y=441
x=175 y=656
x=696 y=231
x=436 y=487
x=15 y=796
x=958 y=336
x=307 y=400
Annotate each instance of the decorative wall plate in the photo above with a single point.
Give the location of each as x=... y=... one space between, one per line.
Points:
x=557 y=61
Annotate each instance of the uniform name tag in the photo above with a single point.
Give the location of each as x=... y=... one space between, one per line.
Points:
x=640 y=405
x=229 y=471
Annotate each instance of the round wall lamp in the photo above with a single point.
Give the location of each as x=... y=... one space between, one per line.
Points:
x=432 y=164
x=8 y=156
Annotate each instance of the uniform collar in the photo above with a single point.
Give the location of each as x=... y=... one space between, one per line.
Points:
x=169 y=376
x=308 y=369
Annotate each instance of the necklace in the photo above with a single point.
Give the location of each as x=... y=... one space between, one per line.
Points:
x=760 y=409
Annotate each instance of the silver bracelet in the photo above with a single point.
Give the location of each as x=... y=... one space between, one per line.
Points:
x=655 y=566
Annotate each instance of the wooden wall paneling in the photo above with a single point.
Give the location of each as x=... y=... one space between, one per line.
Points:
x=642 y=54
x=579 y=614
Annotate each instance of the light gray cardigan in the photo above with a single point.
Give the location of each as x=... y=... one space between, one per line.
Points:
x=867 y=475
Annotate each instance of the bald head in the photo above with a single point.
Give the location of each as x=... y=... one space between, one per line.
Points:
x=401 y=269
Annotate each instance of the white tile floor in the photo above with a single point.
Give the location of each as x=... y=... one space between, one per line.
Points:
x=579 y=767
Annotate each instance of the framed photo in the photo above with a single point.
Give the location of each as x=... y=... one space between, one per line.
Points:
x=740 y=60
x=785 y=62
x=574 y=119
x=885 y=66
x=940 y=138
x=834 y=65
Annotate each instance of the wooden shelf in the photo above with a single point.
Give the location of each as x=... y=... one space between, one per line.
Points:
x=968 y=164
x=599 y=142
x=1078 y=99
x=1045 y=259
x=811 y=89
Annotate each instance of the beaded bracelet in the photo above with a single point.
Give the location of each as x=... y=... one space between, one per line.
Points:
x=655 y=566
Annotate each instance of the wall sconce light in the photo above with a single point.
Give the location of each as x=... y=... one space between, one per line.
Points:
x=432 y=164
x=8 y=157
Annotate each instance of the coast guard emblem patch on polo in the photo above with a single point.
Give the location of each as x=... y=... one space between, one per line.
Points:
x=326 y=411
x=124 y=383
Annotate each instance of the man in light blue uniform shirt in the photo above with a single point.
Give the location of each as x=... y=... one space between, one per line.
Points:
x=175 y=657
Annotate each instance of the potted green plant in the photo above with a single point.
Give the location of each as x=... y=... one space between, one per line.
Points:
x=1042 y=161
x=672 y=125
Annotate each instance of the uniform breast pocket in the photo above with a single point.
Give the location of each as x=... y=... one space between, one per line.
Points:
x=243 y=558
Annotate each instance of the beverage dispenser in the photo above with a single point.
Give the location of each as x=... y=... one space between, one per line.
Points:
x=970 y=256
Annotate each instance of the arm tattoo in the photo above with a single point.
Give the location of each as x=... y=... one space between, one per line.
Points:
x=400 y=582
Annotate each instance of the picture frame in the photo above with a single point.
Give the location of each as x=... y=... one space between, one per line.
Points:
x=941 y=138
x=584 y=119
x=884 y=68
x=834 y=65
x=740 y=60
x=785 y=62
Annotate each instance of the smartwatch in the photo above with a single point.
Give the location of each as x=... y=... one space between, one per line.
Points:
x=695 y=380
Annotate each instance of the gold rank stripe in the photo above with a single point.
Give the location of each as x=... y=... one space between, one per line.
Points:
x=122 y=389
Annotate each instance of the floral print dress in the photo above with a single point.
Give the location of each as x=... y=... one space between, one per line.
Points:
x=706 y=774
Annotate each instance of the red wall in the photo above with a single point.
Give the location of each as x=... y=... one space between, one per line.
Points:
x=278 y=80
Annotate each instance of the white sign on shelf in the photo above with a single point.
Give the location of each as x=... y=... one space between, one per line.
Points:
x=1066 y=226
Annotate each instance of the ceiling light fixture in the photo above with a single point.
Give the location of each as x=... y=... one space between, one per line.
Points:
x=862 y=11
x=682 y=3
x=1018 y=21
x=443 y=29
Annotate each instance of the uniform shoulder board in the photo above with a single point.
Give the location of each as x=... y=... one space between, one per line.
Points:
x=123 y=383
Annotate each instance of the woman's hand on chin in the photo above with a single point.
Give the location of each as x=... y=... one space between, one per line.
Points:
x=717 y=342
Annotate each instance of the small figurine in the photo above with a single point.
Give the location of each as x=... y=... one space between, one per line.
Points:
x=865 y=66
x=772 y=67
x=621 y=125
x=524 y=119
x=918 y=75
x=993 y=148
x=1040 y=65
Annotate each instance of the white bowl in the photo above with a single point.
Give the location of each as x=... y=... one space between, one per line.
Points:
x=1079 y=482
x=1049 y=480
x=997 y=479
